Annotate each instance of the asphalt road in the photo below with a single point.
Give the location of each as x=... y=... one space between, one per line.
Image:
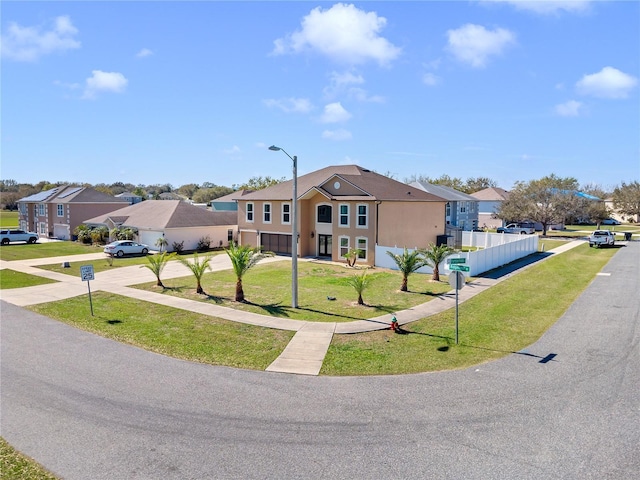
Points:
x=567 y=408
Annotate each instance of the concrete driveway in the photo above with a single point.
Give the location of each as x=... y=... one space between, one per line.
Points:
x=567 y=408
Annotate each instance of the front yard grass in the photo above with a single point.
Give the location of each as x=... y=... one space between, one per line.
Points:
x=23 y=251
x=169 y=331
x=16 y=466
x=323 y=292
x=503 y=320
x=13 y=279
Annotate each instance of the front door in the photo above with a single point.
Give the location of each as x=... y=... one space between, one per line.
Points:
x=324 y=245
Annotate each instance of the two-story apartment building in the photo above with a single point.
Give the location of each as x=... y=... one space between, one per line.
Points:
x=58 y=211
x=489 y=202
x=341 y=208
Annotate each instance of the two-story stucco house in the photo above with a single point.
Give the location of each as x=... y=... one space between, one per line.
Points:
x=58 y=211
x=341 y=208
x=489 y=202
x=461 y=209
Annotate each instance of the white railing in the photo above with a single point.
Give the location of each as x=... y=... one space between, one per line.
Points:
x=493 y=250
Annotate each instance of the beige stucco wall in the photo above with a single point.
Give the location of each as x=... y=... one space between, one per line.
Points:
x=410 y=224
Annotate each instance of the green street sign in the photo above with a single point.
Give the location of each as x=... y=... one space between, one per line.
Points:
x=454 y=261
x=459 y=268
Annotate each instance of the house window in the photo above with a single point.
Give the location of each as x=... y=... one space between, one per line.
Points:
x=266 y=213
x=324 y=213
x=363 y=217
x=23 y=208
x=286 y=213
x=250 y=212
x=448 y=212
x=43 y=228
x=60 y=210
x=230 y=235
x=361 y=245
x=344 y=215
x=344 y=246
x=35 y=210
x=463 y=207
x=41 y=209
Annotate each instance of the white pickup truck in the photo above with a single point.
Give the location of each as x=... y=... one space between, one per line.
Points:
x=8 y=236
x=518 y=228
x=600 y=238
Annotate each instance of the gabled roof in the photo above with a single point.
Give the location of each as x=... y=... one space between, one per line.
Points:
x=232 y=197
x=491 y=194
x=160 y=214
x=72 y=194
x=448 y=193
x=368 y=185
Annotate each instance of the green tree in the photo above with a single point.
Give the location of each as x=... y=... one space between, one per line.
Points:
x=360 y=284
x=198 y=267
x=243 y=258
x=626 y=198
x=474 y=185
x=157 y=263
x=549 y=200
x=434 y=255
x=408 y=263
x=259 y=183
x=161 y=243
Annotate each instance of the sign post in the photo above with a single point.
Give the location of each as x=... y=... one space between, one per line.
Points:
x=86 y=274
x=457 y=281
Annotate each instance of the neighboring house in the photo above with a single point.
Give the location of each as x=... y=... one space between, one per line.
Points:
x=228 y=203
x=619 y=216
x=175 y=220
x=461 y=209
x=58 y=211
x=132 y=198
x=489 y=202
x=341 y=208
x=170 y=196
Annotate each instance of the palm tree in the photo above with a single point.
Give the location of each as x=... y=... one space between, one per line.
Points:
x=161 y=243
x=157 y=264
x=244 y=257
x=434 y=255
x=407 y=263
x=198 y=267
x=360 y=283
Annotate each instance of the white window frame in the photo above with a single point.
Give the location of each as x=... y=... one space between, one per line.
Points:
x=362 y=254
x=23 y=208
x=250 y=212
x=41 y=209
x=341 y=215
x=60 y=210
x=35 y=209
x=341 y=247
x=266 y=212
x=463 y=207
x=285 y=214
x=43 y=228
x=448 y=209
x=359 y=215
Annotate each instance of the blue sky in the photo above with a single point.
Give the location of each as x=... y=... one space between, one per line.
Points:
x=190 y=92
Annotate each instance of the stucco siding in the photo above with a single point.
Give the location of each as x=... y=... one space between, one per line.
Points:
x=410 y=224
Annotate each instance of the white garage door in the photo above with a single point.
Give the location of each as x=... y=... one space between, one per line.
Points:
x=61 y=232
x=149 y=238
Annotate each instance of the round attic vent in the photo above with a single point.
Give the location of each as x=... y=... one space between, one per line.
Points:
x=336 y=185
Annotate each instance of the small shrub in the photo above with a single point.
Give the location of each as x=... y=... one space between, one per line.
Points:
x=203 y=244
x=178 y=247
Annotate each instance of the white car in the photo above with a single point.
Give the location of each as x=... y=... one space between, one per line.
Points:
x=610 y=221
x=126 y=247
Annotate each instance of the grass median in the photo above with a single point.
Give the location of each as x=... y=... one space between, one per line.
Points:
x=16 y=466
x=505 y=319
x=14 y=279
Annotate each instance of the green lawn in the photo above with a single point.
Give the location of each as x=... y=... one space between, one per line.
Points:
x=16 y=466
x=13 y=279
x=505 y=319
x=171 y=331
x=23 y=251
x=8 y=219
x=267 y=290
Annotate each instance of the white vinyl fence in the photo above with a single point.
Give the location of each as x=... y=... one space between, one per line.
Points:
x=495 y=250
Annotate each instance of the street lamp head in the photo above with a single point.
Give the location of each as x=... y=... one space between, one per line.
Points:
x=274 y=148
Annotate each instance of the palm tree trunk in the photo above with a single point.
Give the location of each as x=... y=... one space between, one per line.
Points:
x=360 y=301
x=199 y=288
x=159 y=283
x=436 y=273
x=239 y=291
x=405 y=282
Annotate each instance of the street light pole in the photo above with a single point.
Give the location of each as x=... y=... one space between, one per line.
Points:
x=294 y=228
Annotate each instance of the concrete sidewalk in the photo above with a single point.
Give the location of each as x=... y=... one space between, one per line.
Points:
x=308 y=347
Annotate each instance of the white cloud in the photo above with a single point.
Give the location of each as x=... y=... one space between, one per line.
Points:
x=343 y=33
x=607 y=83
x=145 y=52
x=474 y=44
x=431 y=79
x=290 y=105
x=342 y=84
x=104 y=82
x=571 y=108
x=546 y=7
x=336 y=135
x=233 y=150
x=28 y=44
x=335 y=113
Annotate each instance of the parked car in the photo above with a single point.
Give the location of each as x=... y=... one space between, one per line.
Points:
x=601 y=238
x=126 y=247
x=8 y=236
x=518 y=228
x=610 y=221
